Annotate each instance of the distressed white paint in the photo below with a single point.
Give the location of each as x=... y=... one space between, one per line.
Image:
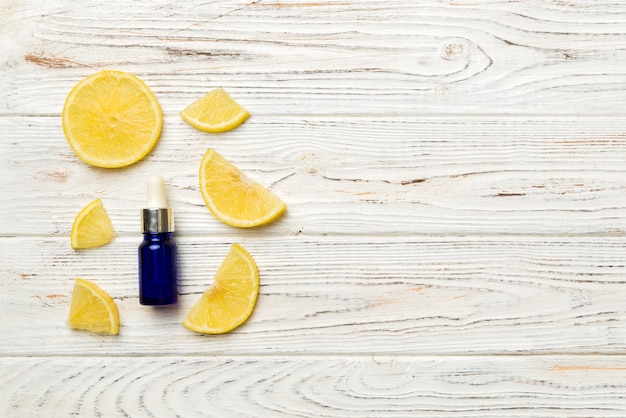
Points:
x=380 y=386
x=454 y=243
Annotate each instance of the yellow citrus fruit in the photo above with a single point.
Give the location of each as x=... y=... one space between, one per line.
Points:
x=216 y=112
x=92 y=309
x=232 y=197
x=112 y=119
x=92 y=227
x=229 y=301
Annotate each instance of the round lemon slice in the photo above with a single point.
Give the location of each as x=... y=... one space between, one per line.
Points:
x=112 y=119
x=92 y=309
x=229 y=301
x=215 y=112
x=232 y=197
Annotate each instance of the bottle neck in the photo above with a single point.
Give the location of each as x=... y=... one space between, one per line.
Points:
x=157 y=236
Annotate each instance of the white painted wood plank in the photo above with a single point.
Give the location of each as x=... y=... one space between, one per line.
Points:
x=463 y=175
x=336 y=295
x=519 y=386
x=332 y=57
x=419 y=251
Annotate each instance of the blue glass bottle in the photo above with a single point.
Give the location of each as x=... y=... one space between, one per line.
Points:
x=158 y=268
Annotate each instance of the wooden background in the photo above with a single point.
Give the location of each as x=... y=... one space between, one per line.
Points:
x=455 y=243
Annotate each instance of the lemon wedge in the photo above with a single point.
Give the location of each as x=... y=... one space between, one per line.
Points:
x=232 y=197
x=92 y=227
x=112 y=119
x=215 y=112
x=92 y=309
x=229 y=301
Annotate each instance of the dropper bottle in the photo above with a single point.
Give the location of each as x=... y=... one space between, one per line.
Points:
x=157 y=253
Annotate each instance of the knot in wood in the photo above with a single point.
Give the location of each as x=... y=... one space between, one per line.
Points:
x=455 y=49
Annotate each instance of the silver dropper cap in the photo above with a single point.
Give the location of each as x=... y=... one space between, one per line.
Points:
x=157 y=216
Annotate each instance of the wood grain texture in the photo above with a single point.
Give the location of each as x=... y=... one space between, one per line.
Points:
x=454 y=244
x=368 y=386
x=331 y=57
x=363 y=176
x=417 y=296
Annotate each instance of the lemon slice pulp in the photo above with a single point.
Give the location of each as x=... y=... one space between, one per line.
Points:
x=112 y=119
x=229 y=301
x=232 y=197
x=92 y=227
x=215 y=112
x=92 y=309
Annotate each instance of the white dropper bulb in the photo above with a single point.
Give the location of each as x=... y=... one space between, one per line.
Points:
x=157 y=198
